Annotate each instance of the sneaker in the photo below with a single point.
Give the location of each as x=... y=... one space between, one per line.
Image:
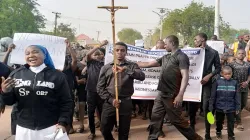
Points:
x=218 y=135
x=231 y=138
x=207 y=137
x=91 y=137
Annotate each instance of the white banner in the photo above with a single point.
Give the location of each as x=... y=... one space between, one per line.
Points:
x=217 y=45
x=147 y=89
x=55 y=45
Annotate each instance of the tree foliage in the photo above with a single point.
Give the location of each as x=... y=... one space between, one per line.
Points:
x=63 y=30
x=129 y=35
x=19 y=16
x=189 y=21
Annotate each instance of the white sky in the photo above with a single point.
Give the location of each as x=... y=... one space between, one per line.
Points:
x=139 y=12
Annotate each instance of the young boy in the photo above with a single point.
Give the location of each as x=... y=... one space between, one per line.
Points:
x=240 y=74
x=225 y=100
x=95 y=61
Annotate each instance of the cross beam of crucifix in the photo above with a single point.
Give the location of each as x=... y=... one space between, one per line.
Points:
x=113 y=9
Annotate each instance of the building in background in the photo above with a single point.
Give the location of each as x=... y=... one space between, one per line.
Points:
x=85 y=40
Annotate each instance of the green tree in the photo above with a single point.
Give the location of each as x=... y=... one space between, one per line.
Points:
x=129 y=35
x=63 y=30
x=20 y=16
x=189 y=21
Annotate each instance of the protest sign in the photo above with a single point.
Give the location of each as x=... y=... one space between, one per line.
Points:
x=147 y=89
x=55 y=45
x=217 y=45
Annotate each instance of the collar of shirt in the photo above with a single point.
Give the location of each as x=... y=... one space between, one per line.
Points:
x=176 y=52
x=122 y=63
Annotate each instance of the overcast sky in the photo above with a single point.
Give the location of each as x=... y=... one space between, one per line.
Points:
x=87 y=19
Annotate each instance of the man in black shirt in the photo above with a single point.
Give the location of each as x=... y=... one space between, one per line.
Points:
x=212 y=59
x=95 y=61
x=127 y=72
x=172 y=85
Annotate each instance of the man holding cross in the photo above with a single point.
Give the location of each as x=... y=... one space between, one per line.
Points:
x=127 y=72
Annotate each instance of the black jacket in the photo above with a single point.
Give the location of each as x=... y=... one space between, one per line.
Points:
x=43 y=99
x=225 y=96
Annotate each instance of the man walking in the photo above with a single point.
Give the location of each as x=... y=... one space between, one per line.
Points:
x=172 y=85
x=127 y=72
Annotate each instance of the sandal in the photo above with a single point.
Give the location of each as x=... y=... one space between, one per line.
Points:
x=240 y=127
x=80 y=130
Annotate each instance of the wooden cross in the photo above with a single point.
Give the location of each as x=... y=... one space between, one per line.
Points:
x=113 y=9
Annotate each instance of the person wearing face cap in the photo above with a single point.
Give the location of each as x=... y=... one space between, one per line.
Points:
x=41 y=93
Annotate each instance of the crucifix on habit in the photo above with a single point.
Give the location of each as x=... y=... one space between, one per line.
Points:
x=113 y=9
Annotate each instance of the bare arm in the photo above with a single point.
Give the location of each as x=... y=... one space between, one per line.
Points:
x=89 y=54
x=184 y=80
x=153 y=63
x=73 y=56
x=6 y=56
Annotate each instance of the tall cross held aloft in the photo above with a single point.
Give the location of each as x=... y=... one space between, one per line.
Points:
x=112 y=9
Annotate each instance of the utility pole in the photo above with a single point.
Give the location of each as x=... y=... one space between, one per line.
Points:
x=163 y=12
x=98 y=33
x=112 y=9
x=57 y=15
x=150 y=36
x=217 y=18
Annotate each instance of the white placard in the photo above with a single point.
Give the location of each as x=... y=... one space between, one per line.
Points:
x=139 y=43
x=55 y=45
x=217 y=45
x=147 y=90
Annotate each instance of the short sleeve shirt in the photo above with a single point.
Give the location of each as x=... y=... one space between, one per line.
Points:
x=170 y=77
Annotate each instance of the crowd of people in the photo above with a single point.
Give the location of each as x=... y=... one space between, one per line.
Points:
x=45 y=98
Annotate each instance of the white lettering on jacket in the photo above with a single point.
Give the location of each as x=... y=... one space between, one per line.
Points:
x=45 y=84
x=23 y=92
x=42 y=93
x=20 y=83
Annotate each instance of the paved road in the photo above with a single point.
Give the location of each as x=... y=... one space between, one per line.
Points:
x=138 y=129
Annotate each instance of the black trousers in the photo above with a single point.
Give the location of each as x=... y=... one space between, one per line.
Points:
x=109 y=119
x=194 y=106
x=164 y=105
x=230 y=122
x=14 y=119
x=94 y=101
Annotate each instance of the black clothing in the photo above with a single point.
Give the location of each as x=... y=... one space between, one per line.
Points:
x=94 y=101
x=230 y=122
x=81 y=92
x=212 y=58
x=106 y=90
x=242 y=45
x=106 y=83
x=162 y=106
x=93 y=69
x=43 y=99
x=170 y=78
x=109 y=119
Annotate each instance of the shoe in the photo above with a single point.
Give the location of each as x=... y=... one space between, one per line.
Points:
x=231 y=138
x=207 y=137
x=80 y=130
x=162 y=134
x=240 y=127
x=71 y=131
x=218 y=135
x=91 y=137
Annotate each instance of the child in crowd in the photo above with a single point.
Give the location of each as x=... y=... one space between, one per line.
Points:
x=230 y=59
x=223 y=87
x=240 y=74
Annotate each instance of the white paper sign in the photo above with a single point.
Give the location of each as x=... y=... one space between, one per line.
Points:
x=55 y=45
x=217 y=45
x=147 y=89
x=139 y=43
